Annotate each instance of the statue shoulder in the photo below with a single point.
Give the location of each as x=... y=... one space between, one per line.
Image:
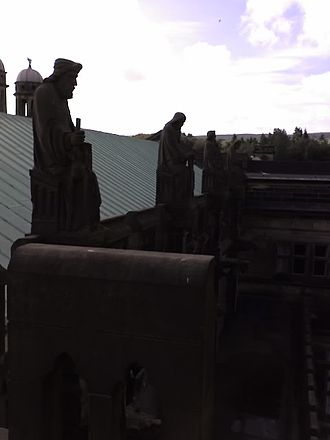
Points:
x=45 y=89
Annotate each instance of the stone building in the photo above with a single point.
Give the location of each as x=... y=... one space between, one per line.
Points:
x=3 y=86
x=287 y=218
x=286 y=221
x=26 y=83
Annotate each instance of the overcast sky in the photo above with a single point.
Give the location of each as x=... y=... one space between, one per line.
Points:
x=234 y=66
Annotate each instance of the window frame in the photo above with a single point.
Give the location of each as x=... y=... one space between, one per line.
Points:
x=288 y=257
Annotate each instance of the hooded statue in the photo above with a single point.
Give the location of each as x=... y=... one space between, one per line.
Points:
x=214 y=177
x=65 y=192
x=175 y=164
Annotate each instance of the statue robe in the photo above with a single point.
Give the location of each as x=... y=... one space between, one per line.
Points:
x=55 y=157
x=175 y=176
x=214 y=178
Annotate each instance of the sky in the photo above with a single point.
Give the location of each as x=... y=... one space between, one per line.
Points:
x=234 y=66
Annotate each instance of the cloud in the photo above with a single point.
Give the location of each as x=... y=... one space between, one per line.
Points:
x=208 y=83
x=316 y=30
x=265 y=22
x=137 y=73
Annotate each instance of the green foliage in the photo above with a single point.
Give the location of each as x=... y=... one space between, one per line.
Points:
x=318 y=150
x=297 y=134
x=298 y=146
x=281 y=143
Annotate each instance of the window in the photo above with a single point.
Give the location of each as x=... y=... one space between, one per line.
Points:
x=320 y=260
x=283 y=258
x=299 y=258
x=308 y=259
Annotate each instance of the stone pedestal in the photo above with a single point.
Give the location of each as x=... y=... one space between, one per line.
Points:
x=99 y=310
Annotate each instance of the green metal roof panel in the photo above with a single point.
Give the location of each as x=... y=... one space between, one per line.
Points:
x=125 y=168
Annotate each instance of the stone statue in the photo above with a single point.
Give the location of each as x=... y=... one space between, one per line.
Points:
x=237 y=186
x=214 y=179
x=237 y=177
x=175 y=175
x=65 y=192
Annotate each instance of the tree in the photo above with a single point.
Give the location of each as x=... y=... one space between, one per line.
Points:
x=297 y=134
x=264 y=140
x=281 y=144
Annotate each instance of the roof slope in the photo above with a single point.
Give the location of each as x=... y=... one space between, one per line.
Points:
x=125 y=168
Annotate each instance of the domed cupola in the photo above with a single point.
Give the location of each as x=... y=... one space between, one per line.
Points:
x=3 y=86
x=26 y=83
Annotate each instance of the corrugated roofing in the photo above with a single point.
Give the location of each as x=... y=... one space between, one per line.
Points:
x=125 y=168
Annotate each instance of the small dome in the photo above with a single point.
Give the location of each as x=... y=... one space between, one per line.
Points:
x=2 y=67
x=29 y=75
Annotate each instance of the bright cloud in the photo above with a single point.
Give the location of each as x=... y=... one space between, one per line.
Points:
x=267 y=22
x=137 y=73
x=316 y=29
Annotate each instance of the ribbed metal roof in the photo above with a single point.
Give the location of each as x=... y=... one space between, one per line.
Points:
x=125 y=168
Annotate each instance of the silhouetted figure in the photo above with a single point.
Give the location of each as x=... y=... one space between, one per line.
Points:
x=214 y=184
x=65 y=192
x=214 y=178
x=237 y=187
x=175 y=176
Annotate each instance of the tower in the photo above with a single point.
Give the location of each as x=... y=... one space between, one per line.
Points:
x=26 y=83
x=3 y=86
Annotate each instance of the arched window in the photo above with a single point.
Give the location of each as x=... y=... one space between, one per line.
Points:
x=65 y=402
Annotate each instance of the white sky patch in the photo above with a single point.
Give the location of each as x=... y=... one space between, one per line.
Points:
x=316 y=29
x=282 y=25
x=134 y=75
x=137 y=73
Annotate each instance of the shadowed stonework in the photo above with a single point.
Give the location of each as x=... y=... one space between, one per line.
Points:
x=65 y=192
x=98 y=315
x=175 y=174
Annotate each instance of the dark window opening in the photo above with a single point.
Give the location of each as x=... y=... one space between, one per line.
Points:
x=319 y=268
x=309 y=259
x=283 y=249
x=299 y=266
x=300 y=249
x=320 y=250
x=65 y=402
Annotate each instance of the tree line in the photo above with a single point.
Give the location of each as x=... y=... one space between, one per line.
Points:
x=298 y=146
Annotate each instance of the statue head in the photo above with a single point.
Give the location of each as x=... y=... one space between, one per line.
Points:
x=65 y=76
x=178 y=120
x=211 y=135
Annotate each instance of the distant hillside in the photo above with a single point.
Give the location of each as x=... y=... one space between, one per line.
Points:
x=227 y=137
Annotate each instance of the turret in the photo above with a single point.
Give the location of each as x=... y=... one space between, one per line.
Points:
x=3 y=86
x=26 y=83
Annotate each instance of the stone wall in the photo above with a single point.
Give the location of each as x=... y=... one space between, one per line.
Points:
x=99 y=310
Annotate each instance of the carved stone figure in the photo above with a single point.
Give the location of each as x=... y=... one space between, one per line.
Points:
x=175 y=175
x=65 y=192
x=237 y=186
x=214 y=178
x=237 y=177
x=215 y=185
